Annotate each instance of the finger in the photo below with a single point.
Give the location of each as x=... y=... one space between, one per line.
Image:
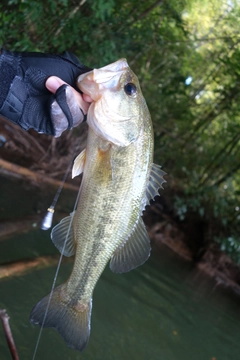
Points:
x=87 y=98
x=76 y=112
x=54 y=82
x=60 y=121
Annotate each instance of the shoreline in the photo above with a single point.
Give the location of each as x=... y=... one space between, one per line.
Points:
x=211 y=260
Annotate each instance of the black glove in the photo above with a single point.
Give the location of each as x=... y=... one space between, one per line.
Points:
x=25 y=100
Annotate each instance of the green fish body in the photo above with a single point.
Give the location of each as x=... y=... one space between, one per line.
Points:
x=119 y=179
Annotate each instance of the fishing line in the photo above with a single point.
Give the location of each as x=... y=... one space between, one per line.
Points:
x=55 y=277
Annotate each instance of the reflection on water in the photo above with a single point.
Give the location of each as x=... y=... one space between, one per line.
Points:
x=164 y=310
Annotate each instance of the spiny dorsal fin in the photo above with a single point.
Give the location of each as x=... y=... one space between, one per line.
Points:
x=60 y=232
x=78 y=165
x=134 y=252
x=155 y=182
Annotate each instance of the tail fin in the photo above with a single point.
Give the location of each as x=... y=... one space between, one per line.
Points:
x=71 y=320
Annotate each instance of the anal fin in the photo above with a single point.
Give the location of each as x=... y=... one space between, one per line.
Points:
x=134 y=252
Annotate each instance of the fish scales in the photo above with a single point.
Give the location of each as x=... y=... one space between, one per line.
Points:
x=101 y=229
x=118 y=181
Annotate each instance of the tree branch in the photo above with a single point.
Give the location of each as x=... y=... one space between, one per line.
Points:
x=8 y=333
x=141 y=16
x=69 y=16
x=19 y=268
x=12 y=169
x=147 y=11
x=214 y=164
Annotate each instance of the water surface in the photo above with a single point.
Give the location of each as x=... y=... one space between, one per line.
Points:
x=163 y=310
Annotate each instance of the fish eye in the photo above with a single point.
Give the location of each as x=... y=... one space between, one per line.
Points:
x=130 y=89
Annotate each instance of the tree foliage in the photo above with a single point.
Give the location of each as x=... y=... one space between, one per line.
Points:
x=187 y=56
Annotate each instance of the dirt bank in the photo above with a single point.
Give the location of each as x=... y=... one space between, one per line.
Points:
x=188 y=239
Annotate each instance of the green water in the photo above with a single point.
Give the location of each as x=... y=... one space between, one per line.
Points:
x=164 y=310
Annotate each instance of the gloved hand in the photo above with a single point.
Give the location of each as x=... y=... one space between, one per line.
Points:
x=24 y=98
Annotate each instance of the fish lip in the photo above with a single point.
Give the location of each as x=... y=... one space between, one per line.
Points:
x=82 y=76
x=86 y=88
x=117 y=66
x=99 y=79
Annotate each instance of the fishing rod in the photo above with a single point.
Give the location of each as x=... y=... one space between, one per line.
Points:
x=48 y=218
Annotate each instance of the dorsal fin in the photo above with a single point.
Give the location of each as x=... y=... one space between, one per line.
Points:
x=134 y=252
x=78 y=165
x=62 y=231
x=155 y=182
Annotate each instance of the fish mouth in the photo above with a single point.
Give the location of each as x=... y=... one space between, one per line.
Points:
x=87 y=85
x=103 y=73
x=93 y=82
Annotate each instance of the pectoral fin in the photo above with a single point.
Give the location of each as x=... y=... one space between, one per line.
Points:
x=62 y=236
x=78 y=165
x=155 y=182
x=134 y=252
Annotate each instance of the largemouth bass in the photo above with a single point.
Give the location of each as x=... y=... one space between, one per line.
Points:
x=119 y=179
